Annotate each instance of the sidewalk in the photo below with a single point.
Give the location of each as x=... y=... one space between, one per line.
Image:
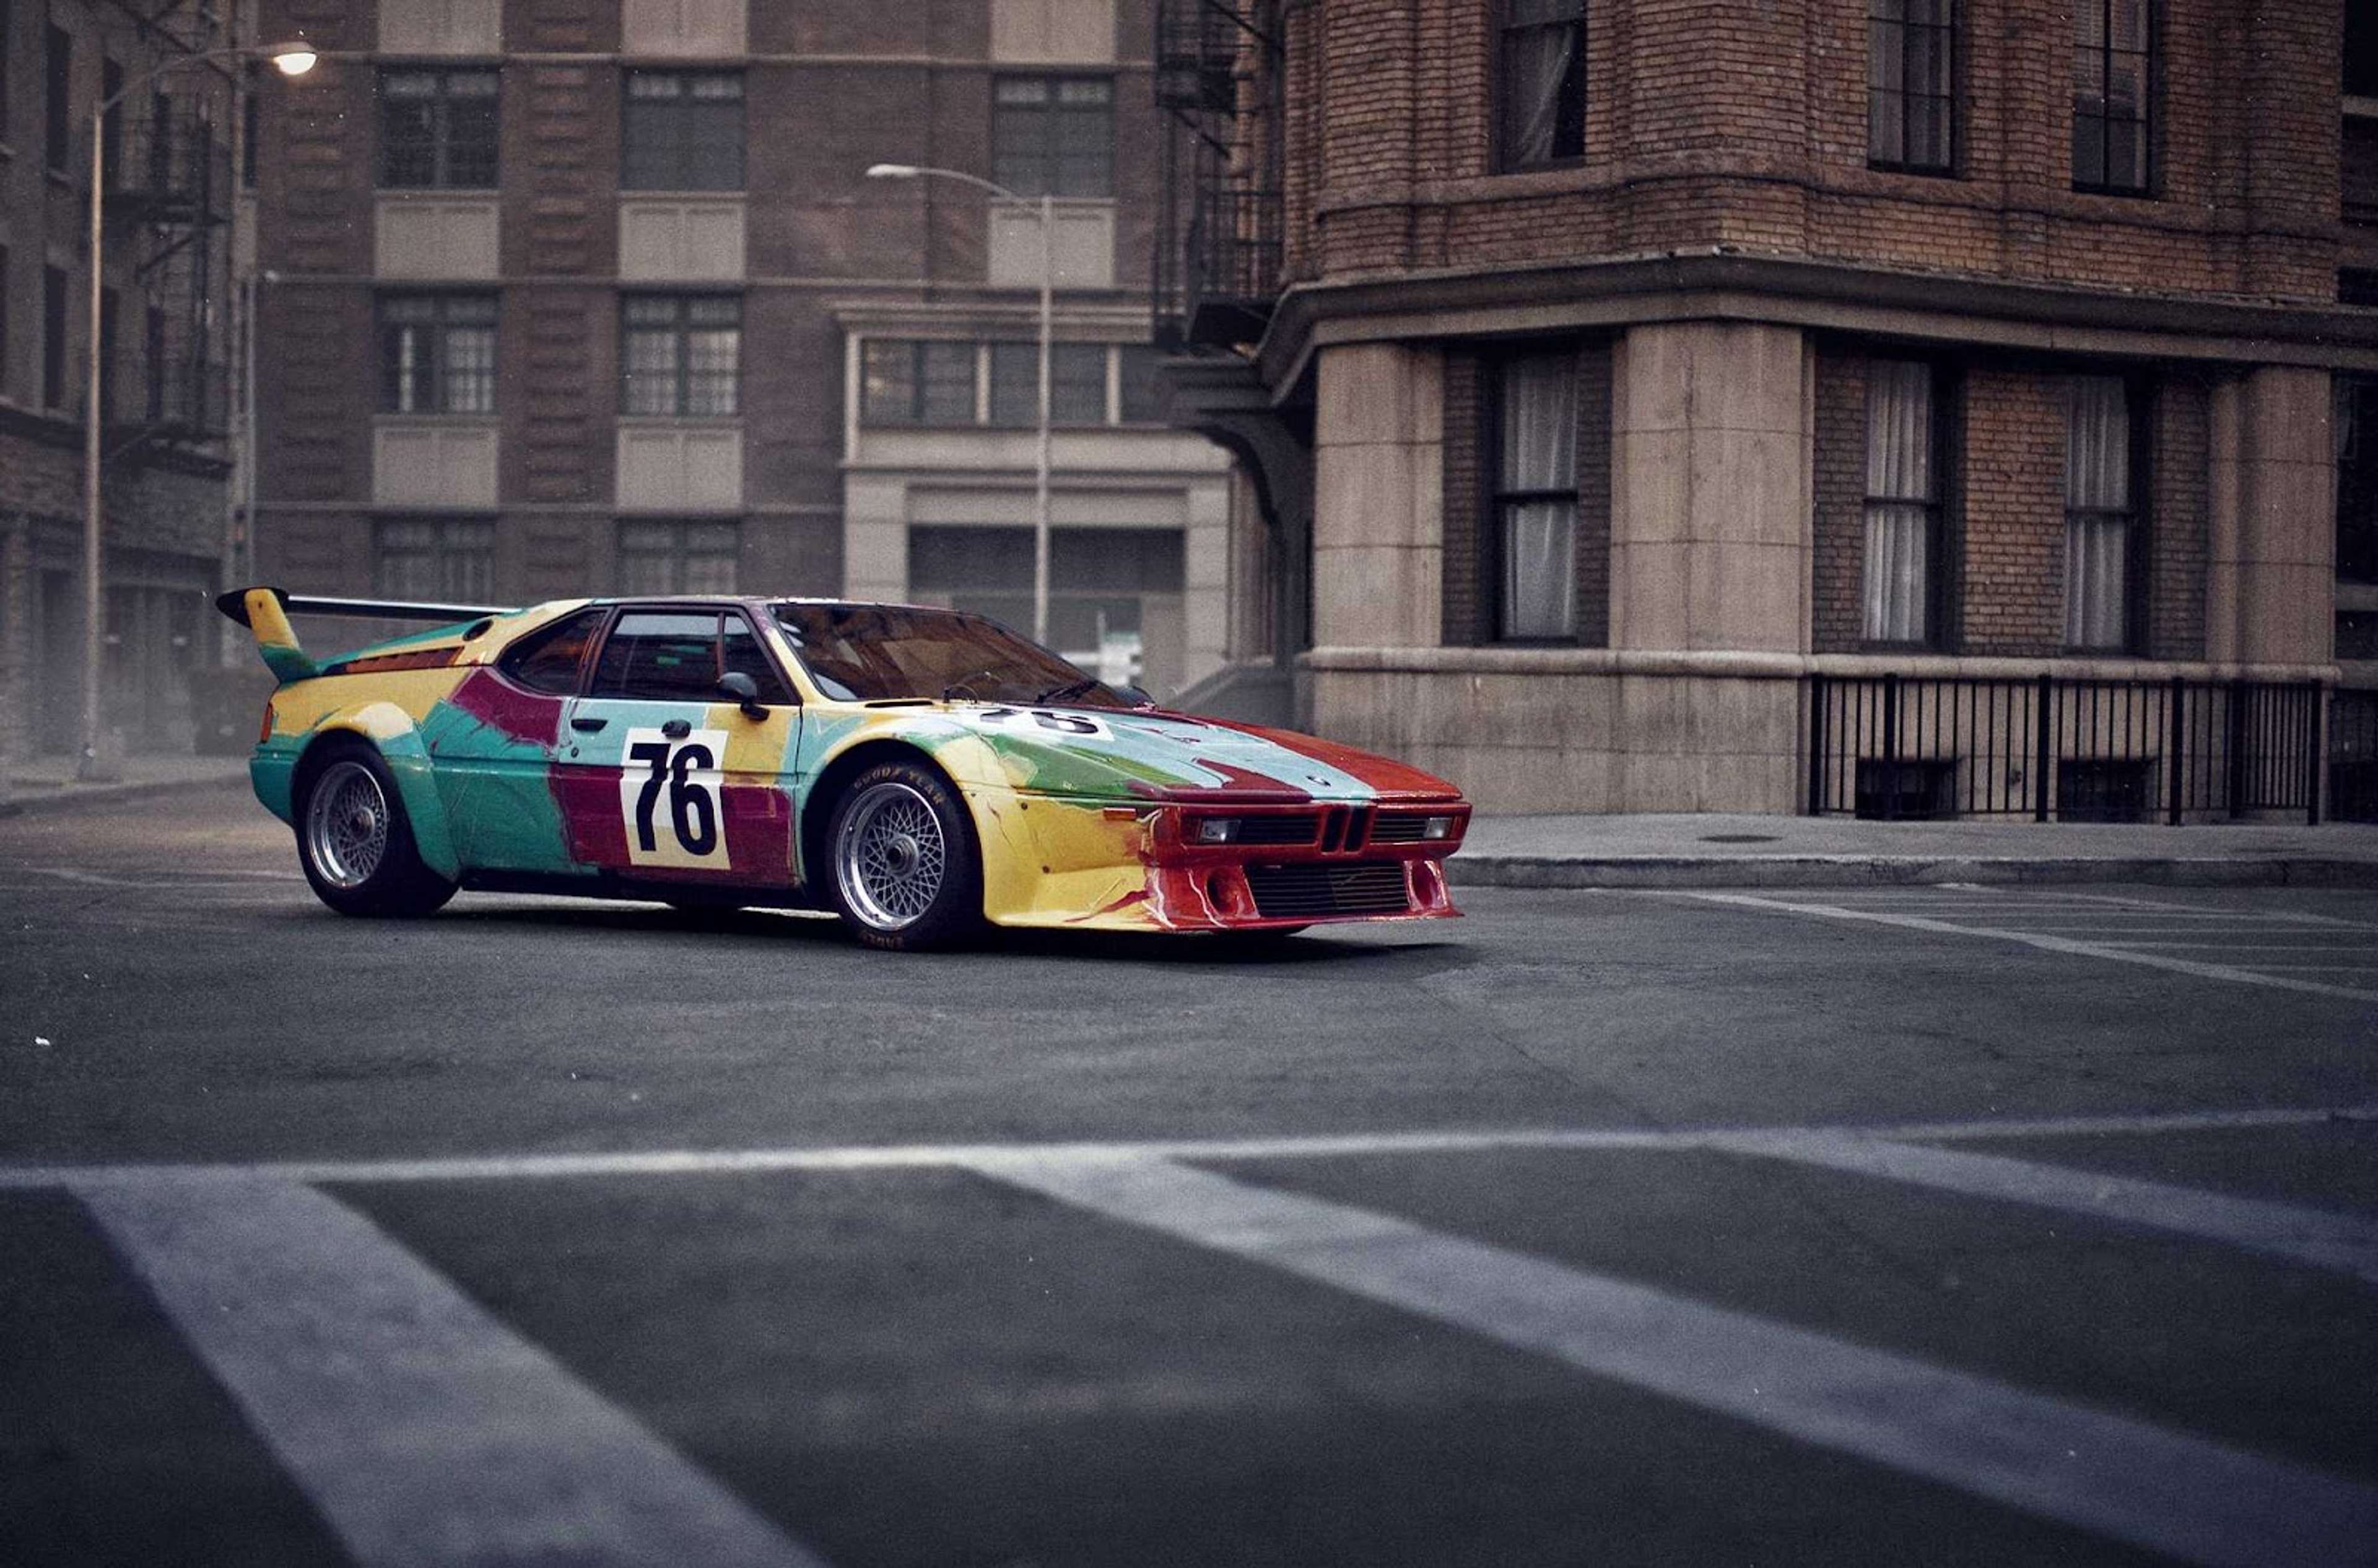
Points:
x=47 y=784
x=1708 y=851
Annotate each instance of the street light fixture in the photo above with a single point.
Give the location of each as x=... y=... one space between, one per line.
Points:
x=1048 y=287
x=293 y=59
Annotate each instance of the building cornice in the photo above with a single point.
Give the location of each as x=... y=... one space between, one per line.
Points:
x=1937 y=307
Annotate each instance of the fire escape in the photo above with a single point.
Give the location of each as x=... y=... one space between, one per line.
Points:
x=1219 y=215
x=169 y=216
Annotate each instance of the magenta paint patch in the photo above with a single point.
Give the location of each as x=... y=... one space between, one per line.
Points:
x=589 y=798
x=523 y=716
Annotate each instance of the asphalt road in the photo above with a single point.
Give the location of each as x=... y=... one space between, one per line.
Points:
x=1932 y=1225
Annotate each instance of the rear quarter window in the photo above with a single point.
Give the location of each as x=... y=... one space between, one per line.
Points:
x=550 y=658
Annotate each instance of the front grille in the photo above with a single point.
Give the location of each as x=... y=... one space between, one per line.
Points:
x=1365 y=887
x=1399 y=830
x=1293 y=828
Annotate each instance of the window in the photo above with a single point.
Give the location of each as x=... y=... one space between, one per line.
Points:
x=251 y=121
x=107 y=340
x=2361 y=49
x=2099 y=520
x=438 y=129
x=1902 y=501
x=1078 y=384
x=661 y=556
x=1107 y=586
x=2356 y=478
x=682 y=130
x=678 y=655
x=2113 y=78
x=438 y=353
x=681 y=354
x=1535 y=497
x=54 y=338
x=1054 y=135
x=153 y=350
x=1141 y=399
x=1542 y=85
x=907 y=381
x=1911 y=75
x=2357 y=286
x=550 y=659
x=7 y=55
x=436 y=560
x=57 y=140
x=8 y=280
x=111 y=82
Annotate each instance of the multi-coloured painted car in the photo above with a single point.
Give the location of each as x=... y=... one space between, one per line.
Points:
x=917 y=770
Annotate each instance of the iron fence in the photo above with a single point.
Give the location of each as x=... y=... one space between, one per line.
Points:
x=2065 y=750
x=2353 y=757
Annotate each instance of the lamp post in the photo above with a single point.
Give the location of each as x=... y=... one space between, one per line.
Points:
x=1048 y=287
x=293 y=60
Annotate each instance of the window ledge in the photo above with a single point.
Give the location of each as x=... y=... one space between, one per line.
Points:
x=681 y=420
x=442 y=421
x=440 y=192
x=671 y=193
x=2357 y=108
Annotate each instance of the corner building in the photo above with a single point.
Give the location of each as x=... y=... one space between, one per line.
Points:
x=1659 y=402
x=579 y=296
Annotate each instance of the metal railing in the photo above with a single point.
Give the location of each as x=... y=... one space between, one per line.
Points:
x=2064 y=750
x=2353 y=756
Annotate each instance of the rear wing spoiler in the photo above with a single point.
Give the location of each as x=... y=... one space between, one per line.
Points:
x=266 y=612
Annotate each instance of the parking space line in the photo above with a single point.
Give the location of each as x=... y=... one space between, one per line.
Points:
x=830 y=1159
x=425 y=1431
x=2321 y=1237
x=2041 y=939
x=2167 y=1491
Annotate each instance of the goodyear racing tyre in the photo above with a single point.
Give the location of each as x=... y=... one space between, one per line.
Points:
x=354 y=842
x=906 y=874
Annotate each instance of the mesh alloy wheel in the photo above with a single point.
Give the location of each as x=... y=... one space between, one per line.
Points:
x=346 y=825
x=891 y=856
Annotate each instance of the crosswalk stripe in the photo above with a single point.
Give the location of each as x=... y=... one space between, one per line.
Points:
x=2169 y=1491
x=2040 y=940
x=426 y=1432
x=2325 y=1239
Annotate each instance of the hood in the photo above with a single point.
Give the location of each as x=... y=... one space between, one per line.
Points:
x=1143 y=754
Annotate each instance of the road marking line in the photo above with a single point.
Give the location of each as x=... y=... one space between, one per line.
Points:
x=2165 y=1490
x=2069 y=902
x=425 y=1431
x=2040 y=940
x=2325 y=1239
x=898 y=1156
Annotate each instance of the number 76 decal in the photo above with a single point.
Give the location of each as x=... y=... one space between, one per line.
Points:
x=669 y=799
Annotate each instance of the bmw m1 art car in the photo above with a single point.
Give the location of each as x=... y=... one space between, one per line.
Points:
x=917 y=770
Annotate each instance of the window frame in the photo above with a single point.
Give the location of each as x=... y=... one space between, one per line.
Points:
x=442 y=139
x=2148 y=120
x=1569 y=124
x=1040 y=170
x=55 y=324
x=1028 y=349
x=1945 y=464
x=57 y=101
x=787 y=693
x=678 y=550
x=506 y=663
x=681 y=329
x=2138 y=407
x=443 y=548
x=685 y=111
x=918 y=412
x=1494 y=499
x=440 y=330
x=1951 y=163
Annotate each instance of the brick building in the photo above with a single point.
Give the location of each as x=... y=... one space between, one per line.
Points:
x=165 y=332
x=1631 y=384
x=584 y=296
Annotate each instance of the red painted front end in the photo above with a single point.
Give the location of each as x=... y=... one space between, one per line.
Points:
x=1307 y=864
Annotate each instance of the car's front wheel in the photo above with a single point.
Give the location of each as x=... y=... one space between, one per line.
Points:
x=906 y=874
x=356 y=844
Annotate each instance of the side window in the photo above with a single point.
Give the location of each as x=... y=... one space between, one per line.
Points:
x=549 y=658
x=661 y=656
x=739 y=649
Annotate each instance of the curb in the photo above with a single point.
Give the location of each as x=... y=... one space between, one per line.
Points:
x=1900 y=870
x=75 y=798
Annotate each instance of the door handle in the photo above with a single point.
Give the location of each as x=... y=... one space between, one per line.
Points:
x=677 y=729
x=588 y=725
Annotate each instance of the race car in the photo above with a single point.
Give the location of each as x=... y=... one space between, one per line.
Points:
x=919 y=772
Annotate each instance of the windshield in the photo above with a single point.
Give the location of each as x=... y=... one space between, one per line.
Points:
x=876 y=652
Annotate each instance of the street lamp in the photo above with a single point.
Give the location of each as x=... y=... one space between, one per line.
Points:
x=292 y=60
x=1048 y=285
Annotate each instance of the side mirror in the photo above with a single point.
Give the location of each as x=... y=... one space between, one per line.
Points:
x=746 y=692
x=1134 y=695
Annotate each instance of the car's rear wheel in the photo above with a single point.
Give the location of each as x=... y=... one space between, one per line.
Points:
x=355 y=842
x=906 y=874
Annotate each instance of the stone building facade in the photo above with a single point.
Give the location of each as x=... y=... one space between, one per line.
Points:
x=164 y=325
x=567 y=296
x=1620 y=370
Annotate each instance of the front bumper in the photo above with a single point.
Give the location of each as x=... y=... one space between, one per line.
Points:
x=1104 y=866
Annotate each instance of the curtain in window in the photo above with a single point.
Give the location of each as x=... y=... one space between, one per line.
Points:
x=1540 y=40
x=1537 y=485
x=1900 y=492
x=2097 y=512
